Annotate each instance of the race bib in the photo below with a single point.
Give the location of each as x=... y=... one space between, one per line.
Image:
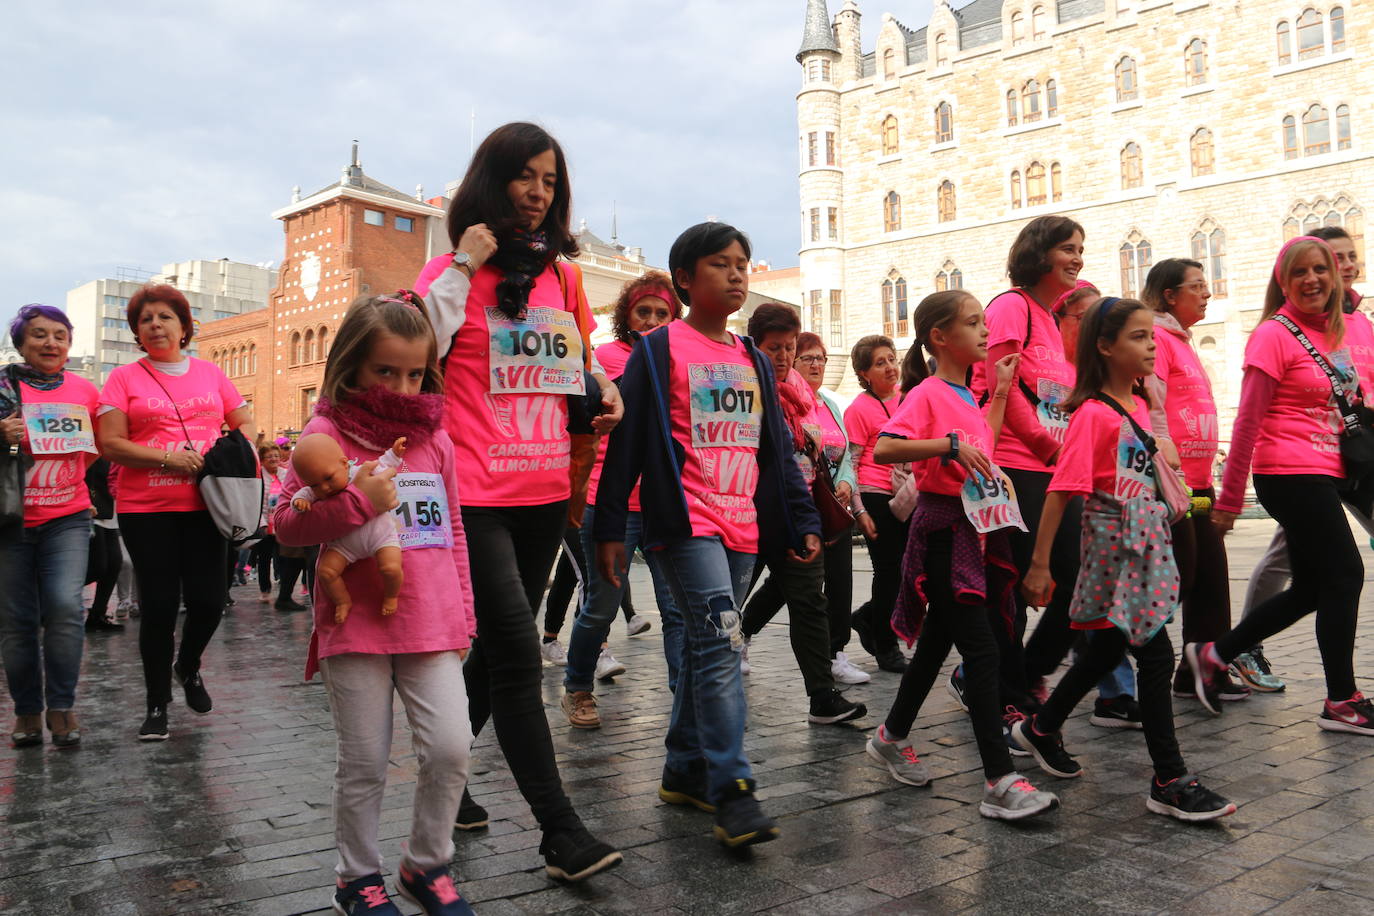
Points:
x=727 y=409
x=59 y=429
x=1135 y=467
x=540 y=355
x=990 y=504
x=1052 y=417
x=423 y=511
x=1341 y=361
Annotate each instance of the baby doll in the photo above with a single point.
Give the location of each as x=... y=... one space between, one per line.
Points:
x=320 y=464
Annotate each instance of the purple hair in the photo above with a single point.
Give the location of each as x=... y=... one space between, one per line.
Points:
x=35 y=310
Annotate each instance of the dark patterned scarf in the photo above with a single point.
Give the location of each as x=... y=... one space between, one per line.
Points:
x=377 y=417
x=34 y=378
x=521 y=258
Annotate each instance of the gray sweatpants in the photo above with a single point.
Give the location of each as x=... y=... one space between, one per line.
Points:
x=431 y=688
x=1271 y=574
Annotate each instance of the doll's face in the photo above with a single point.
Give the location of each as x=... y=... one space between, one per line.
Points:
x=320 y=464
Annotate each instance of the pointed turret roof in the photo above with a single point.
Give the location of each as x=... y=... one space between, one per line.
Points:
x=817 y=35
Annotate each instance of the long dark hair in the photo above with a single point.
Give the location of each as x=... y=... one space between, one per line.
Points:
x=482 y=197
x=1102 y=322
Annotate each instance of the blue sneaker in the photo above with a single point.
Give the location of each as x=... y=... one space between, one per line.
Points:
x=365 y=896
x=432 y=891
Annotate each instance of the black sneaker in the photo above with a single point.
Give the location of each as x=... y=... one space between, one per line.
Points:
x=892 y=660
x=956 y=687
x=101 y=622
x=686 y=789
x=289 y=604
x=739 y=819
x=1186 y=799
x=365 y=896
x=197 y=697
x=432 y=891
x=1048 y=750
x=154 y=727
x=1118 y=712
x=829 y=707
x=858 y=622
x=471 y=816
x=571 y=855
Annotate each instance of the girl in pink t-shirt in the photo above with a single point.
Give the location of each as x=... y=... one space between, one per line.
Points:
x=1127 y=588
x=1290 y=424
x=382 y=382
x=957 y=573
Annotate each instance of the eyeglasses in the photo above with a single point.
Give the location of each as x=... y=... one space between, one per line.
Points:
x=1197 y=286
x=812 y=359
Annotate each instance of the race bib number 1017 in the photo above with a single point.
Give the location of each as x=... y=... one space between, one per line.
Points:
x=727 y=409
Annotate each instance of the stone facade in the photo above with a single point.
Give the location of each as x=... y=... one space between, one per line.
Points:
x=1160 y=126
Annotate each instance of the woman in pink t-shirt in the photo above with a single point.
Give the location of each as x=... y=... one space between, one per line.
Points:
x=49 y=414
x=265 y=550
x=514 y=339
x=1289 y=425
x=158 y=417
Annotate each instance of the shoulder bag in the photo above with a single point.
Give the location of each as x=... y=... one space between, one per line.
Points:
x=14 y=468
x=1168 y=487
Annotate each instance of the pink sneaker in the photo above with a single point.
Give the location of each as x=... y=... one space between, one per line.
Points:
x=1355 y=715
x=1207 y=676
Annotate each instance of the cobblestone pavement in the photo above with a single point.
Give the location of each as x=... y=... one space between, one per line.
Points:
x=232 y=815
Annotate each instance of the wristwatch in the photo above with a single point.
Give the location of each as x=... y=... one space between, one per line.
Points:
x=953 y=449
x=464 y=260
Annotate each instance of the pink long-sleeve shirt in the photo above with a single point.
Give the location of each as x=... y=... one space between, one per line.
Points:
x=435 y=612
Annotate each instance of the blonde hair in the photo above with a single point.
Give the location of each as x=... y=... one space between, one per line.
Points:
x=403 y=314
x=1275 y=296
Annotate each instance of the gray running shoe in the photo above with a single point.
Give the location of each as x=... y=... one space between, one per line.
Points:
x=900 y=759
x=1013 y=797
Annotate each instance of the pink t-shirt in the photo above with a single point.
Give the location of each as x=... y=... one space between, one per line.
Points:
x=1043 y=369
x=931 y=410
x=511 y=440
x=1101 y=453
x=1188 y=404
x=56 y=484
x=862 y=421
x=205 y=398
x=1301 y=432
x=612 y=356
x=833 y=440
x=716 y=410
x=810 y=422
x=1359 y=337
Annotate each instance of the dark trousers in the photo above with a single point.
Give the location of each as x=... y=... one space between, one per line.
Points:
x=768 y=599
x=1052 y=638
x=289 y=571
x=1102 y=651
x=178 y=557
x=511 y=552
x=1327 y=576
x=568 y=576
x=802 y=587
x=107 y=558
x=264 y=552
x=1204 y=577
x=950 y=623
x=886 y=555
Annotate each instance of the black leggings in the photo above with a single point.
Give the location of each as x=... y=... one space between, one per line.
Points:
x=1327 y=576
x=1204 y=577
x=178 y=557
x=950 y=623
x=263 y=554
x=106 y=560
x=886 y=554
x=1102 y=650
x=511 y=552
x=568 y=577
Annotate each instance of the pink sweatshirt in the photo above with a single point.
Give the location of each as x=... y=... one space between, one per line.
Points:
x=436 y=608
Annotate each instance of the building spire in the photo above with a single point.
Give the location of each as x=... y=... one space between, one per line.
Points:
x=817 y=35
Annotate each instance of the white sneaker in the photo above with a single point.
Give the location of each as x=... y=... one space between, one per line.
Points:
x=122 y=611
x=844 y=672
x=606 y=665
x=744 y=659
x=554 y=653
x=637 y=624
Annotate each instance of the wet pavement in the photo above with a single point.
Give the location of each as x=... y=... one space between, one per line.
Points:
x=232 y=815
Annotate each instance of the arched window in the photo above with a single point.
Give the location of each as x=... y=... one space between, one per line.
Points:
x=1035 y=184
x=1056 y=182
x=1311 y=40
x=888 y=326
x=892 y=212
x=941 y=50
x=310 y=346
x=1013 y=108
x=1030 y=101
x=296 y=348
x=1135 y=264
x=1015 y=189
x=324 y=342
x=1316 y=131
x=252 y=359
x=949 y=277
x=1337 y=29
x=1051 y=99
x=1195 y=63
x=1342 y=127
x=946 y=201
x=1291 y=228
x=1132 y=168
x=889 y=63
x=1200 y=151
x=944 y=123
x=1285 y=43
x=890 y=142
x=1038 y=24
x=899 y=294
x=1018 y=29
x=1209 y=248
x=1290 y=137
x=1127 y=88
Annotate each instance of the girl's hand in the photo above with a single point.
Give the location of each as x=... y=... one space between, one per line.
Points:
x=866 y=526
x=1224 y=521
x=478 y=243
x=610 y=560
x=12 y=430
x=613 y=408
x=843 y=492
x=185 y=461
x=809 y=553
x=1037 y=586
x=378 y=488
x=1006 y=371
x=974 y=461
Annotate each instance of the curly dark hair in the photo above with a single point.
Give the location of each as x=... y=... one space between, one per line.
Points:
x=635 y=290
x=1026 y=261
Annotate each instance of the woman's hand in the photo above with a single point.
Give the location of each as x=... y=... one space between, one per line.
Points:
x=12 y=430
x=1224 y=521
x=1037 y=586
x=866 y=526
x=1006 y=371
x=184 y=461
x=379 y=488
x=613 y=407
x=974 y=461
x=478 y=244
x=843 y=492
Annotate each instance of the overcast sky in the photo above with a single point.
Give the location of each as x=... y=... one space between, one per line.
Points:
x=142 y=133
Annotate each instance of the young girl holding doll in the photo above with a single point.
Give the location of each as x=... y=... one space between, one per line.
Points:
x=1128 y=583
x=382 y=382
x=958 y=559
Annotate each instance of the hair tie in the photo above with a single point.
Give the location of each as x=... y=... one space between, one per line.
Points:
x=404 y=297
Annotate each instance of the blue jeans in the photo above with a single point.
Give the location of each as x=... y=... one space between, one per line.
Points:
x=601 y=602
x=42 y=572
x=1119 y=683
x=709 y=583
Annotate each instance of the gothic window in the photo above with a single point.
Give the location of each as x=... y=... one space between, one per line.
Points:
x=1056 y=182
x=899 y=294
x=1135 y=264
x=1342 y=127
x=948 y=277
x=1285 y=43
x=889 y=64
x=946 y=201
x=1013 y=108
x=1127 y=89
x=1290 y=137
x=1030 y=101
x=1038 y=24
x=1195 y=63
x=296 y=348
x=941 y=50
x=1311 y=40
x=1051 y=99
x=888 y=326
x=310 y=346
x=1209 y=248
x=815 y=224
x=1316 y=131
x=890 y=142
x=1304 y=218
x=1337 y=29
x=1018 y=29
x=1201 y=153
x=253 y=359
x=892 y=212
x=1015 y=189
x=832 y=223
x=323 y=339
x=1132 y=168
x=944 y=123
x=1035 y=184
x=829 y=147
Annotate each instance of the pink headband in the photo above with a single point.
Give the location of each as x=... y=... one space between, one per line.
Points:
x=1278 y=262
x=1064 y=299
x=658 y=293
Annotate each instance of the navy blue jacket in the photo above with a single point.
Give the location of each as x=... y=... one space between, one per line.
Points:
x=642 y=448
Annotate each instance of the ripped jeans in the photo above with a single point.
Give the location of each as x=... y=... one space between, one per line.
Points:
x=709 y=583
